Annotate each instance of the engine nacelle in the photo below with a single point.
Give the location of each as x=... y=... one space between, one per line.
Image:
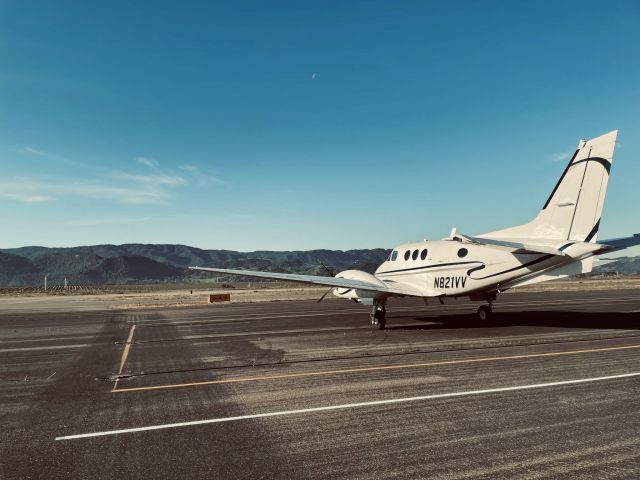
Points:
x=353 y=294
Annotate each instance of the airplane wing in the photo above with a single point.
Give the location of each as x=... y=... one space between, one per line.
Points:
x=383 y=287
x=615 y=244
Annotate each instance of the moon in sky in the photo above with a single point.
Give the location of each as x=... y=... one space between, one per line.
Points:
x=314 y=75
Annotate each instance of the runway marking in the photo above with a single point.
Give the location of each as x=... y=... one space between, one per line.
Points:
x=372 y=369
x=51 y=347
x=348 y=406
x=125 y=354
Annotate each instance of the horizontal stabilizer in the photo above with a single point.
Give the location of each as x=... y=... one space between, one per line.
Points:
x=518 y=246
x=615 y=244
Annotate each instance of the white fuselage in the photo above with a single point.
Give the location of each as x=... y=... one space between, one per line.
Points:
x=450 y=268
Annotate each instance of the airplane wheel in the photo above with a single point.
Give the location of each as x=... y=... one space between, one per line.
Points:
x=379 y=320
x=484 y=313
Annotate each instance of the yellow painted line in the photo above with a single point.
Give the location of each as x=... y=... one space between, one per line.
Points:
x=372 y=369
x=125 y=354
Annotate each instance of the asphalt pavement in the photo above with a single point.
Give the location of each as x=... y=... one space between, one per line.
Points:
x=548 y=388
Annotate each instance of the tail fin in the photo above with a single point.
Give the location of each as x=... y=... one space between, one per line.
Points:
x=573 y=210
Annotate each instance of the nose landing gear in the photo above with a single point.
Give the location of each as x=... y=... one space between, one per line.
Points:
x=378 y=316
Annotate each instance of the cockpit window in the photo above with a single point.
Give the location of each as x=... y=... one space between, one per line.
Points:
x=463 y=252
x=415 y=255
x=423 y=255
x=407 y=254
x=394 y=255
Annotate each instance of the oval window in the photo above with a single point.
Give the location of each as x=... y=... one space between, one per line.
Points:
x=463 y=252
x=407 y=254
x=394 y=255
x=423 y=255
x=415 y=255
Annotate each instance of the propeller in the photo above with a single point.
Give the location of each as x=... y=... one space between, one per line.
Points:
x=328 y=291
x=325 y=294
x=327 y=269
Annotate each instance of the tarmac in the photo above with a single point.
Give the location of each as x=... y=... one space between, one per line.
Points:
x=548 y=388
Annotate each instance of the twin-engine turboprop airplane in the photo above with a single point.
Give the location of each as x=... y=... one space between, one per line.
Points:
x=559 y=242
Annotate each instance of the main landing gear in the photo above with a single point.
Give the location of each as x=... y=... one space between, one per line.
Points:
x=485 y=312
x=378 y=316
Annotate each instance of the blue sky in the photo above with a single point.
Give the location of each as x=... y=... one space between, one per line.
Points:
x=300 y=125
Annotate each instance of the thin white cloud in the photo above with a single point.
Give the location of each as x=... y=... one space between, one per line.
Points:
x=155 y=186
x=147 y=162
x=160 y=179
x=32 y=151
x=200 y=178
x=115 y=193
x=33 y=190
x=559 y=157
x=92 y=222
x=26 y=198
x=212 y=179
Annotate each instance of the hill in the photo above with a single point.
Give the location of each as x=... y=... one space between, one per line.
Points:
x=622 y=265
x=131 y=268
x=14 y=267
x=137 y=263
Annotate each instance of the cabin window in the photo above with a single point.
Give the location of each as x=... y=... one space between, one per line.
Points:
x=463 y=252
x=407 y=254
x=394 y=255
x=423 y=255
x=415 y=255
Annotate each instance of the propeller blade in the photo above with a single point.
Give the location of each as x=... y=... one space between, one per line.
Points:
x=325 y=294
x=327 y=269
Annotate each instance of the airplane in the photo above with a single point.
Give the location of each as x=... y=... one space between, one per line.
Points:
x=561 y=241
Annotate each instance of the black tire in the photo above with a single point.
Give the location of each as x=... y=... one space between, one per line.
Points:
x=484 y=313
x=379 y=320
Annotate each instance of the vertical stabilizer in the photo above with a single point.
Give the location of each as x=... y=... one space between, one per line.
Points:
x=573 y=209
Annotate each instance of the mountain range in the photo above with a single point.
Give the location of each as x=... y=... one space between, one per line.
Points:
x=141 y=263
x=136 y=263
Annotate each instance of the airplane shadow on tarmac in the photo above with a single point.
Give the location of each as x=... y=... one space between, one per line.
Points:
x=549 y=318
